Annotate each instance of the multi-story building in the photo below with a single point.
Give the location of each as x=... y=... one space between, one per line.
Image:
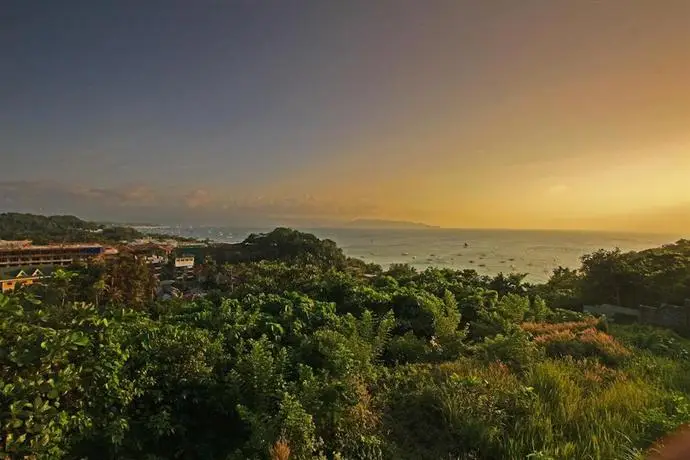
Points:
x=22 y=263
x=184 y=267
x=53 y=255
x=184 y=262
x=198 y=250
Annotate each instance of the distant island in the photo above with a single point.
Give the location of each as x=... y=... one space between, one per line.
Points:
x=381 y=223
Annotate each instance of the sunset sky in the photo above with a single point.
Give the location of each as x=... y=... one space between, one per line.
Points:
x=495 y=113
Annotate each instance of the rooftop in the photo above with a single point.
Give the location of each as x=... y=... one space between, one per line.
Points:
x=14 y=243
x=28 y=247
x=30 y=271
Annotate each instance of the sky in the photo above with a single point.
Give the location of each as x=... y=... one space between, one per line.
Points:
x=485 y=114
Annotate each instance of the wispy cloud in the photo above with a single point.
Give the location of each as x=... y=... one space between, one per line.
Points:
x=198 y=198
x=139 y=202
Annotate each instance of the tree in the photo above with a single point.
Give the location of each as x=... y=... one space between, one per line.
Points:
x=402 y=273
x=512 y=283
x=562 y=290
x=609 y=277
x=62 y=280
x=130 y=281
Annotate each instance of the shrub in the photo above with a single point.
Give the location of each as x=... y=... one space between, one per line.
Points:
x=660 y=342
x=453 y=410
x=514 y=349
x=559 y=315
x=548 y=328
x=578 y=339
x=407 y=349
x=588 y=343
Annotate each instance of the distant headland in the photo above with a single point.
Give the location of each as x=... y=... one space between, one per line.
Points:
x=381 y=223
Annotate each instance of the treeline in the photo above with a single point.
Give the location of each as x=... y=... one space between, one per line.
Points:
x=60 y=229
x=651 y=277
x=67 y=229
x=630 y=279
x=298 y=352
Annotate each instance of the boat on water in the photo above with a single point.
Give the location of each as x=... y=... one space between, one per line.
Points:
x=467 y=245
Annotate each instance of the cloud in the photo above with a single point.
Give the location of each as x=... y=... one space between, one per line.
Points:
x=198 y=198
x=139 y=195
x=92 y=202
x=144 y=204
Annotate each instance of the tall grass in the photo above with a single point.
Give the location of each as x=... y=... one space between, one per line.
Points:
x=549 y=328
x=558 y=409
x=571 y=419
x=577 y=339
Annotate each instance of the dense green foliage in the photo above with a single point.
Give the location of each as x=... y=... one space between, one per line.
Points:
x=282 y=244
x=67 y=229
x=650 y=277
x=60 y=229
x=299 y=352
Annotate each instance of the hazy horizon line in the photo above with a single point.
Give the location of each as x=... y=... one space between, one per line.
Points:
x=270 y=223
x=429 y=228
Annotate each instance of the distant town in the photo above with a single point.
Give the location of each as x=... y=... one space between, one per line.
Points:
x=25 y=263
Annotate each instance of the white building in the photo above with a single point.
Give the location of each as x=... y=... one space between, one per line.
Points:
x=184 y=262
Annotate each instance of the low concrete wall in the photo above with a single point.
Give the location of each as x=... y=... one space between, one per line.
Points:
x=672 y=316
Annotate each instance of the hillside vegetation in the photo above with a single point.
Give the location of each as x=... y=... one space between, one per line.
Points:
x=297 y=352
x=649 y=277
x=60 y=229
x=67 y=229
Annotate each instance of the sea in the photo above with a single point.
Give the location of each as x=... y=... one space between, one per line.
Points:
x=535 y=252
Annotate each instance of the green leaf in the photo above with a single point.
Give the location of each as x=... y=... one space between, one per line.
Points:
x=79 y=339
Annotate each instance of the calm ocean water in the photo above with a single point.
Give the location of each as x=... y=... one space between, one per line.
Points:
x=487 y=251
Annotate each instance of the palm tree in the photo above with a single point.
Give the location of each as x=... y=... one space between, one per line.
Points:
x=62 y=280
